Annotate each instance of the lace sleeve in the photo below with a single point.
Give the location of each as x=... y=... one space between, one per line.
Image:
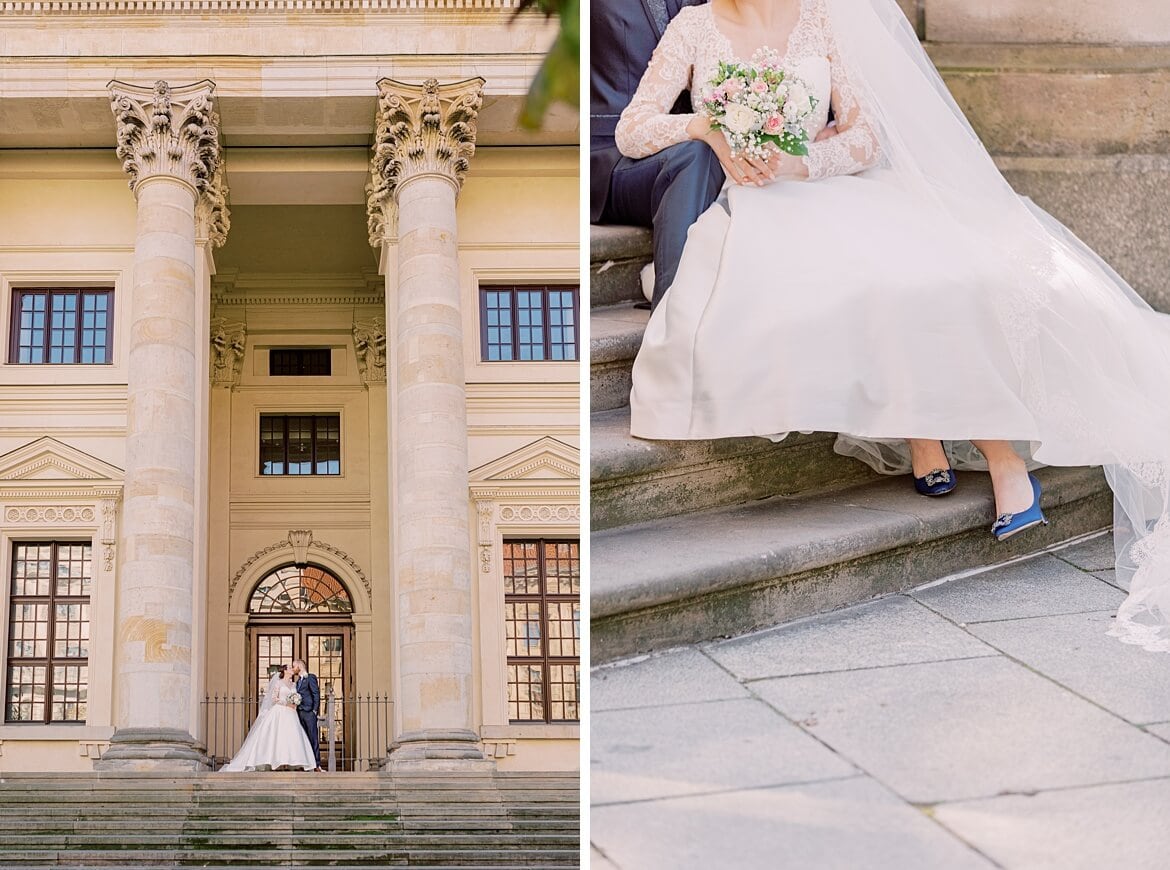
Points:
x=855 y=147
x=646 y=126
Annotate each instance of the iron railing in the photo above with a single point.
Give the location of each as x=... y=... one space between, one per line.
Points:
x=355 y=731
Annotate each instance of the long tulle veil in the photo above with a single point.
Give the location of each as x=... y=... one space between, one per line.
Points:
x=271 y=695
x=1099 y=396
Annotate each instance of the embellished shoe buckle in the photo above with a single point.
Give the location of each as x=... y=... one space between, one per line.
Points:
x=939 y=475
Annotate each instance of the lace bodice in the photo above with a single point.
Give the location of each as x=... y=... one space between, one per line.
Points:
x=687 y=58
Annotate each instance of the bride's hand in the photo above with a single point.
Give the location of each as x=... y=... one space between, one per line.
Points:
x=741 y=169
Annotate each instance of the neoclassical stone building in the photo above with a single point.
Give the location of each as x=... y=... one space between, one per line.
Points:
x=288 y=369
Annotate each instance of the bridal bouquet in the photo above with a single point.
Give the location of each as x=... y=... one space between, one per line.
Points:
x=759 y=107
x=294 y=699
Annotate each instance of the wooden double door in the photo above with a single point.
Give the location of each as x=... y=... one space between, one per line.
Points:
x=326 y=649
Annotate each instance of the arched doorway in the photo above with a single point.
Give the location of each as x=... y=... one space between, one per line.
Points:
x=304 y=612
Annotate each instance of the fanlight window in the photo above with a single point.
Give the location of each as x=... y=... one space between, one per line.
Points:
x=300 y=590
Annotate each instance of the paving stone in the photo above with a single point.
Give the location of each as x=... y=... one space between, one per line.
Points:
x=892 y=631
x=845 y=824
x=695 y=748
x=963 y=729
x=598 y=861
x=1075 y=651
x=1095 y=554
x=1161 y=730
x=1043 y=586
x=674 y=677
x=1122 y=825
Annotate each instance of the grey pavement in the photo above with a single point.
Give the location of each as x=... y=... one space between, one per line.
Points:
x=983 y=721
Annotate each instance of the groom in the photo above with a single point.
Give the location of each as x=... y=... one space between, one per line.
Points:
x=668 y=190
x=310 y=694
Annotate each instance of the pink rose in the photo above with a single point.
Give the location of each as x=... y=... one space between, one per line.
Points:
x=773 y=124
x=733 y=86
x=759 y=86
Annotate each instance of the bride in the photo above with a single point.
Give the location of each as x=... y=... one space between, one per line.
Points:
x=891 y=287
x=276 y=739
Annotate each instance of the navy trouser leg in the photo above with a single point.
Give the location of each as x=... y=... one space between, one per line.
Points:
x=666 y=191
x=309 y=723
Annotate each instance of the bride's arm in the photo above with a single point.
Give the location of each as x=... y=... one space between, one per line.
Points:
x=855 y=147
x=646 y=126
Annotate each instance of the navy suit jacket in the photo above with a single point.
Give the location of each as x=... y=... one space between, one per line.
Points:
x=623 y=36
x=310 y=694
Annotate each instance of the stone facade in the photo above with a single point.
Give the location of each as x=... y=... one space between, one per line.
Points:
x=1073 y=99
x=270 y=178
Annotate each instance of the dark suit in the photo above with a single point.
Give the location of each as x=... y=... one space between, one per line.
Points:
x=666 y=191
x=310 y=694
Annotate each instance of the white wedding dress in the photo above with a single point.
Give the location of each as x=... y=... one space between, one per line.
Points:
x=903 y=291
x=276 y=739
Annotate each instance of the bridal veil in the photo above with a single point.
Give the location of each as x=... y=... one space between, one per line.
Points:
x=1092 y=357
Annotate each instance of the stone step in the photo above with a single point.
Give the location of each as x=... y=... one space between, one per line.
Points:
x=616 y=257
x=615 y=334
x=686 y=579
x=634 y=480
x=258 y=838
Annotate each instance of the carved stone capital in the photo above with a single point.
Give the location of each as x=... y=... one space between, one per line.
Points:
x=369 y=342
x=228 y=340
x=420 y=130
x=165 y=131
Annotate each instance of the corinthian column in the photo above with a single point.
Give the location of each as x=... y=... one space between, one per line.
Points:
x=168 y=140
x=424 y=139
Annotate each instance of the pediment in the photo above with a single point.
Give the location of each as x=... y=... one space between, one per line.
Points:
x=545 y=459
x=49 y=459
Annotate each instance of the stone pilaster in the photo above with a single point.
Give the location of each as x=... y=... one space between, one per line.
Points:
x=425 y=137
x=168 y=140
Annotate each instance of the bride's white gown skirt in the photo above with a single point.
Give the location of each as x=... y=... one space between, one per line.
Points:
x=275 y=740
x=845 y=305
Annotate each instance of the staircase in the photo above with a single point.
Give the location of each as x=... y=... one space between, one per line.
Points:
x=436 y=820
x=693 y=540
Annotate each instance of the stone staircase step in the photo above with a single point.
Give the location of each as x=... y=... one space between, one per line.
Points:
x=686 y=579
x=615 y=334
x=616 y=257
x=634 y=480
x=303 y=858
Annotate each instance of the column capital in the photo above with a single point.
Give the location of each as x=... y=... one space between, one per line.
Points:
x=420 y=130
x=168 y=132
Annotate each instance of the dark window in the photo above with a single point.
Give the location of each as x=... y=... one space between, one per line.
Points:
x=524 y=323
x=295 y=444
x=299 y=361
x=542 y=615
x=48 y=633
x=61 y=326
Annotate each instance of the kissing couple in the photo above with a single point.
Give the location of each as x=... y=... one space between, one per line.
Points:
x=285 y=733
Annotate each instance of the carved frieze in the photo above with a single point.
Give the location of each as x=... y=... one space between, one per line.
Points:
x=167 y=131
x=300 y=541
x=56 y=515
x=426 y=129
x=228 y=341
x=540 y=513
x=369 y=342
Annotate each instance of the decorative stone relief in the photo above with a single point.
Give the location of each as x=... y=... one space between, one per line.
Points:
x=426 y=129
x=486 y=510
x=229 y=338
x=54 y=514
x=304 y=539
x=167 y=131
x=212 y=216
x=498 y=747
x=540 y=513
x=299 y=540
x=109 y=531
x=369 y=342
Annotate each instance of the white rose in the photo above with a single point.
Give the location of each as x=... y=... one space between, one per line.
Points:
x=740 y=119
x=793 y=112
x=799 y=95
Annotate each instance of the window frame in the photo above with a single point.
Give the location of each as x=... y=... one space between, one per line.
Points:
x=17 y=296
x=49 y=660
x=325 y=352
x=285 y=441
x=543 y=598
x=545 y=290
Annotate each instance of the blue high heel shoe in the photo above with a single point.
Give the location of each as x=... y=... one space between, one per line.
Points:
x=1009 y=524
x=938 y=482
